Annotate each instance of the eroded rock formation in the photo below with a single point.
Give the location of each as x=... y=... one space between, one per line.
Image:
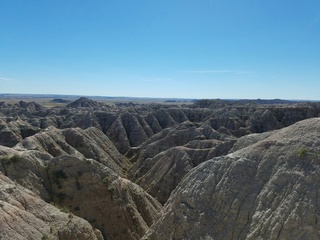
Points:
x=268 y=190
x=23 y=215
x=222 y=170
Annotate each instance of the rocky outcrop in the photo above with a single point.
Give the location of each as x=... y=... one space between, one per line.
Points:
x=268 y=190
x=250 y=139
x=13 y=130
x=84 y=103
x=168 y=156
x=60 y=100
x=88 y=143
x=85 y=187
x=22 y=108
x=23 y=215
x=164 y=171
x=116 y=206
x=28 y=168
x=63 y=166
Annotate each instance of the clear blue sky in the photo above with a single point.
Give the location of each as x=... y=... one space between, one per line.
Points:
x=161 y=48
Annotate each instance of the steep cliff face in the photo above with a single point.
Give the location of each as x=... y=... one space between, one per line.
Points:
x=268 y=190
x=23 y=215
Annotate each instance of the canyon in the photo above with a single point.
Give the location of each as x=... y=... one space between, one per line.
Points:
x=211 y=169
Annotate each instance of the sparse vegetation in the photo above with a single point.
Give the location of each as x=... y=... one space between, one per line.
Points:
x=312 y=152
x=65 y=209
x=10 y=159
x=45 y=237
x=302 y=152
x=59 y=174
x=106 y=181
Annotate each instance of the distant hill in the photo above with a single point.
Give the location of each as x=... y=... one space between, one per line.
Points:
x=59 y=100
x=84 y=102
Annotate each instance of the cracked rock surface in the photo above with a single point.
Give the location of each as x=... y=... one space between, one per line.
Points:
x=23 y=215
x=268 y=190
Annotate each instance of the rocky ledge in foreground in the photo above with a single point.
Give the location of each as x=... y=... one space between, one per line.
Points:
x=23 y=215
x=268 y=190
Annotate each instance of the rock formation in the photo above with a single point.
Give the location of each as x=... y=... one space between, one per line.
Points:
x=88 y=143
x=23 y=215
x=13 y=130
x=55 y=165
x=116 y=206
x=221 y=169
x=84 y=102
x=268 y=190
x=165 y=158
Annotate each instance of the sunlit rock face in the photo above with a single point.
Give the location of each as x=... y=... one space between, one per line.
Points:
x=268 y=190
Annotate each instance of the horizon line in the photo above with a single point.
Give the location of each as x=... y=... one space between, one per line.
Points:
x=130 y=97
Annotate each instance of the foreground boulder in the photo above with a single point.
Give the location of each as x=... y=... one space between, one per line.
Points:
x=268 y=190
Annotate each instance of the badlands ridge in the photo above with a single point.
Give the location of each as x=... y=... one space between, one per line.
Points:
x=209 y=170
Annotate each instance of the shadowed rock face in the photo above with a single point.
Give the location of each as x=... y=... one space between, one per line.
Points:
x=55 y=165
x=23 y=215
x=13 y=130
x=268 y=190
x=115 y=205
x=85 y=187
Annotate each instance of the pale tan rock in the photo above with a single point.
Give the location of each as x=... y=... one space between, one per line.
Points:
x=28 y=168
x=88 y=143
x=23 y=215
x=168 y=156
x=115 y=205
x=268 y=190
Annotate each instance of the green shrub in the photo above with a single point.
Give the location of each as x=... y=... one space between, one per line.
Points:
x=12 y=159
x=45 y=237
x=313 y=153
x=65 y=209
x=302 y=152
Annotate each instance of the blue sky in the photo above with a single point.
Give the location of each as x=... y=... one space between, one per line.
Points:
x=148 y=48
